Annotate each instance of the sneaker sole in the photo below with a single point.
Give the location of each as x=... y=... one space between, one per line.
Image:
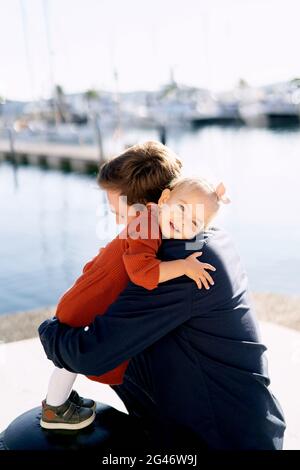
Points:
x=71 y=427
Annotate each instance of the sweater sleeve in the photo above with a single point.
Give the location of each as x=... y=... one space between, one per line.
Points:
x=89 y=264
x=142 y=244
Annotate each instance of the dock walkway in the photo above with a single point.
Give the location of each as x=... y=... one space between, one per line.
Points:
x=52 y=155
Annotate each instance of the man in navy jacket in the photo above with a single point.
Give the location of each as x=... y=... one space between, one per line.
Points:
x=197 y=361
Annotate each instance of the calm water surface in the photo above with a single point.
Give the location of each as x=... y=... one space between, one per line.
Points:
x=50 y=222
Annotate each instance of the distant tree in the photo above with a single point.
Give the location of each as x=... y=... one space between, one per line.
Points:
x=59 y=90
x=60 y=104
x=242 y=83
x=91 y=96
x=296 y=81
x=168 y=90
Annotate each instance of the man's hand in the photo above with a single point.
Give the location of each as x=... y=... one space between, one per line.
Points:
x=47 y=331
x=197 y=271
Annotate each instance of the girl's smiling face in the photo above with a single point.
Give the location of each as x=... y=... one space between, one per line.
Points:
x=180 y=215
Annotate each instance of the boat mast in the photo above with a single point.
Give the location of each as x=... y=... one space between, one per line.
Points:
x=26 y=46
x=50 y=60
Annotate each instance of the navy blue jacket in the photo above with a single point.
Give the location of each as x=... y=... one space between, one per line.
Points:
x=208 y=365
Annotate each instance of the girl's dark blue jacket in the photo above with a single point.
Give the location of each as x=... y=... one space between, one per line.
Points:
x=208 y=364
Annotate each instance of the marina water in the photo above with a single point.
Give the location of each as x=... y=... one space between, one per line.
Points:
x=52 y=223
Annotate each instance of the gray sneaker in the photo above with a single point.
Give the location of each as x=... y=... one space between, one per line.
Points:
x=66 y=416
x=80 y=401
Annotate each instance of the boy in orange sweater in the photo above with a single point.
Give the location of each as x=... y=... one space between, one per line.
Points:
x=145 y=174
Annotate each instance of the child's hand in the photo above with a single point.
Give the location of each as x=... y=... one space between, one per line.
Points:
x=197 y=270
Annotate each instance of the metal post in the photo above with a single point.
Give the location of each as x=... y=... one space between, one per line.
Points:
x=11 y=142
x=163 y=134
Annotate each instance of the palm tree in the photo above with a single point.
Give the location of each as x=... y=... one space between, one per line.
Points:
x=59 y=99
x=92 y=98
x=242 y=83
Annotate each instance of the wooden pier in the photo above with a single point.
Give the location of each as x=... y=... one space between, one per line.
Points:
x=81 y=158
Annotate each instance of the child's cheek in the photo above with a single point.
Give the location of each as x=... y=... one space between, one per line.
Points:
x=191 y=232
x=178 y=220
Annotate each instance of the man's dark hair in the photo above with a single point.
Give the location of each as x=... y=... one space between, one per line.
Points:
x=141 y=172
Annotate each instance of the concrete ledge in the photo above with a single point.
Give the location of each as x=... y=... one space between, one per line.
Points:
x=277 y=308
x=23 y=325
x=25 y=372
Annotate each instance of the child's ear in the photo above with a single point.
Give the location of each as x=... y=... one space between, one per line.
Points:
x=164 y=196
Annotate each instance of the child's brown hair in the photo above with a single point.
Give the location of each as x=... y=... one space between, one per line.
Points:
x=141 y=172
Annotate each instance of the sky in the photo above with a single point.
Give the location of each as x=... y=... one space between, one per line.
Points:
x=207 y=43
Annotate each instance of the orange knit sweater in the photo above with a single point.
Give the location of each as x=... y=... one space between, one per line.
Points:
x=107 y=274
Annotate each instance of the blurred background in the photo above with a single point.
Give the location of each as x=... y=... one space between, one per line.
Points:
x=218 y=81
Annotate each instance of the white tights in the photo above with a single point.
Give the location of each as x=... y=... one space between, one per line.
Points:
x=60 y=386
